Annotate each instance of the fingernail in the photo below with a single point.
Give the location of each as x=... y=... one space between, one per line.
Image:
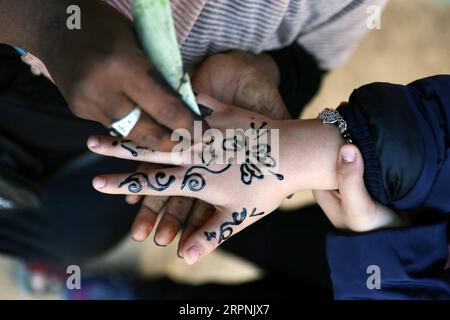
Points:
x=159 y=245
x=192 y=255
x=205 y=111
x=140 y=234
x=99 y=183
x=93 y=142
x=129 y=201
x=348 y=155
x=132 y=200
x=138 y=237
x=179 y=255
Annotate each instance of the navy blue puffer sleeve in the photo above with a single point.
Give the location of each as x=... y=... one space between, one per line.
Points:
x=403 y=133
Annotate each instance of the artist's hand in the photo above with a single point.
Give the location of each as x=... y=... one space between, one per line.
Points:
x=351 y=207
x=242 y=79
x=241 y=192
x=103 y=74
x=236 y=78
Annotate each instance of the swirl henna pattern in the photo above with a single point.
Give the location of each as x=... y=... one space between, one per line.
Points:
x=226 y=229
x=256 y=159
x=134 y=182
x=195 y=180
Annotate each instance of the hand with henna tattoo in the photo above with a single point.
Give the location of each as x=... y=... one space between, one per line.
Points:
x=103 y=74
x=246 y=80
x=241 y=191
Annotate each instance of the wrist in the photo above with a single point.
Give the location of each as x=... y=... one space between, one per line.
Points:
x=307 y=154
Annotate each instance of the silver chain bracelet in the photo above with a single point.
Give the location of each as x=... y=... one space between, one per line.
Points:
x=332 y=116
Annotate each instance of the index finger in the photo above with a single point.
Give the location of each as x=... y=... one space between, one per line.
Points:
x=350 y=176
x=159 y=100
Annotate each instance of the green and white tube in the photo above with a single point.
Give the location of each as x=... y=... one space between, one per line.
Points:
x=154 y=23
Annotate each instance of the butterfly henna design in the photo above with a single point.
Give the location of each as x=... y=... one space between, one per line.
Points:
x=255 y=159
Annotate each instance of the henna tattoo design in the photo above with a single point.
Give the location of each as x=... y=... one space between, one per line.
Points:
x=134 y=182
x=133 y=152
x=250 y=171
x=260 y=152
x=210 y=152
x=256 y=214
x=262 y=130
x=226 y=229
x=195 y=180
x=145 y=149
x=237 y=143
x=210 y=235
x=125 y=145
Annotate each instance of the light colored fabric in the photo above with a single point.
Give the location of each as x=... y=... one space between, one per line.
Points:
x=185 y=13
x=328 y=29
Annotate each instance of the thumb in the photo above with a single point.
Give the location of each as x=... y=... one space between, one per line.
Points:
x=356 y=201
x=261 y=95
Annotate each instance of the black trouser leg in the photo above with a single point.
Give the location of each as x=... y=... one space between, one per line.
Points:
x=75 y=222
x=291 y=243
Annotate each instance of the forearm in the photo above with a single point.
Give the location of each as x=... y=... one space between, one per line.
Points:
x=308 y=153
x=405 y=166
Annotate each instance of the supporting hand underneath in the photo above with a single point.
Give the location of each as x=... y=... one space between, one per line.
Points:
x=350 y=207
x=241 y=193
